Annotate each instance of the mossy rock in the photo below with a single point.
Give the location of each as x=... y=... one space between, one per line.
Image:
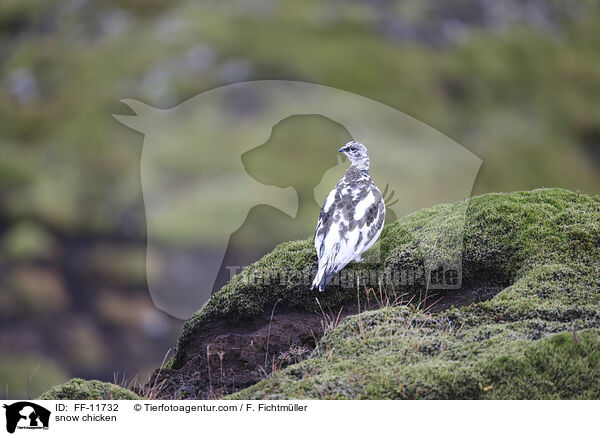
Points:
x=396 y=362
x=78 y=389
x=541 y=249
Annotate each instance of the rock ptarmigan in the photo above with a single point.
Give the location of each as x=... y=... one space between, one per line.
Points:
x=351 y=218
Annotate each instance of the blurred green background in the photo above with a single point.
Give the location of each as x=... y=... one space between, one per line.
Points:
x=517 y=82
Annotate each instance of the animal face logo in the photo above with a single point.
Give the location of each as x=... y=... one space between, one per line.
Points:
x=26 y=415
x=234 y=171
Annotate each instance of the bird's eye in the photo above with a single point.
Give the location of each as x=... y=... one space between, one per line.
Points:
x=352 y=148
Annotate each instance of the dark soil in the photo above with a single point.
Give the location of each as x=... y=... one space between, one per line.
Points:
x=230 y=357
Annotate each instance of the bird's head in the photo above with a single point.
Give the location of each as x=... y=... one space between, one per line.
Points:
x=357 y=153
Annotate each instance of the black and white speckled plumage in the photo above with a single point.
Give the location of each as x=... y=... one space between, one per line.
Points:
x=351 y=218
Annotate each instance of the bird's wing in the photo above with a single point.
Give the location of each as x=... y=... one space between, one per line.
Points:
x=369 y=217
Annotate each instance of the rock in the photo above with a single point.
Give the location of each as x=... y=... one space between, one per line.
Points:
x=530 y=277
x=78 y=389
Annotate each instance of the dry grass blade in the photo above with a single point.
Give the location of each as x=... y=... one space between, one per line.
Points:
x=269 y=331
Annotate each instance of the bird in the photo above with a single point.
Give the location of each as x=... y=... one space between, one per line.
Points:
x=351 y=218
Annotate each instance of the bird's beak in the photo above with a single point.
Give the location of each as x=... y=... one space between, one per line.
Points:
x=342 y=149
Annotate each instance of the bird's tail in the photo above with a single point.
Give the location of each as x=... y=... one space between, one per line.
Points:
x=323 y=277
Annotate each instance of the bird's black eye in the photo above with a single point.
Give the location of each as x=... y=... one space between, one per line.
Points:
x=352 y=148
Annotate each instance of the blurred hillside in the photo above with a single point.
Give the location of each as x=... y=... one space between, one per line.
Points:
x=513 y=81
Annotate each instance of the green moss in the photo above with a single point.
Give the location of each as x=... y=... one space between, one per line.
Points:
x=78 y=389
x=541 y=246
x=554 y=367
